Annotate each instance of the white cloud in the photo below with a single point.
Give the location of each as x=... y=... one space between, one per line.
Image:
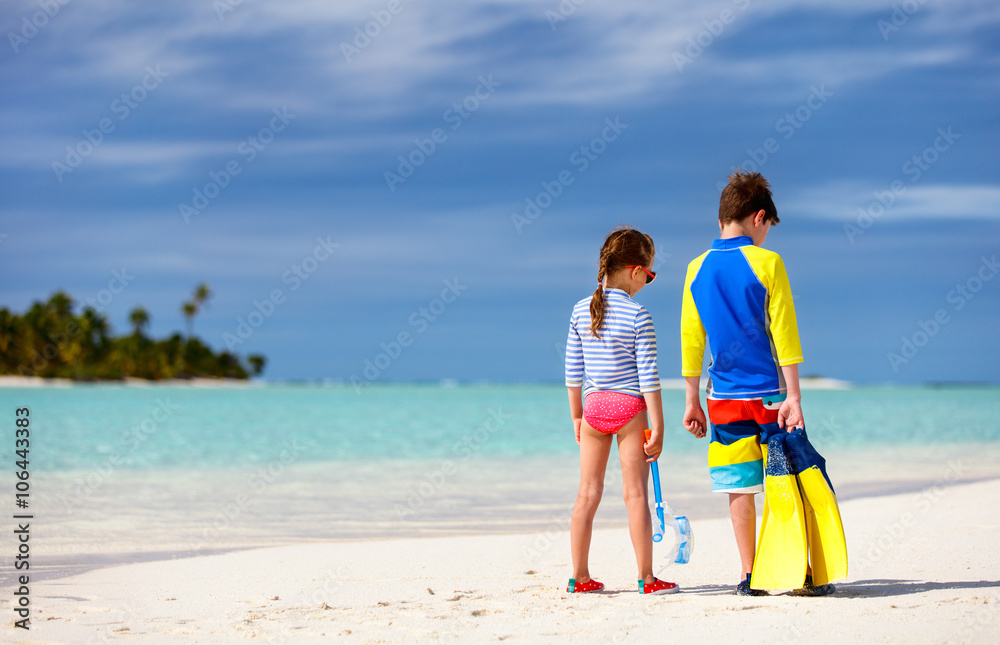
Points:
x=841 y=201
x=944 y=201
x=603 y=52
x=155 y=161
x=265 y=55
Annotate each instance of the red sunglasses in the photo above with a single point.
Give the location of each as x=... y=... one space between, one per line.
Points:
x=650 y=275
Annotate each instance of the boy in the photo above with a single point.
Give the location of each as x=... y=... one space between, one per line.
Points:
x=738 y=294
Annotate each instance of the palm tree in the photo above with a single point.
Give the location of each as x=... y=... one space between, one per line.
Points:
x=202 y=294
x=94 y=343
x=139 y=319
x=190 y=310
x=95 y=325
x=9 y=336
x=88 y=350
x=257 y=363
x=61 y=304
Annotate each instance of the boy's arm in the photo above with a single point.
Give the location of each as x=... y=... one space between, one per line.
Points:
x=781 y=310
x=694 y=416
x=790 y=412
x=692 y=356
x=692 y=329
x=576 y=409
x=785 y=332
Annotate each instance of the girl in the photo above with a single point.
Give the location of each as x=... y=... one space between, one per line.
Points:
x=611 y=355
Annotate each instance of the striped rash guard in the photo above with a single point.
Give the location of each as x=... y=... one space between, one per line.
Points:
x=739 y=295
x=623 y=359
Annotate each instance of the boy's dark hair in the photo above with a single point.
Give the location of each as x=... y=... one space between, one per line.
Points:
x=746 y=193
x=622 y=246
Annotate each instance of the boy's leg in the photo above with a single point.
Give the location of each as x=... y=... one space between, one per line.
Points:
x=743 y=512
x=635 y=476
x=594 y=450
x=736 y=464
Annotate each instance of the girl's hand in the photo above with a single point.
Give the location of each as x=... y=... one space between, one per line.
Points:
x=654 y=444
x=694 y=420
x=576 y=427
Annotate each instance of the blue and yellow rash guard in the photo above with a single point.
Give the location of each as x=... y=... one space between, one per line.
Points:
x=739 y=295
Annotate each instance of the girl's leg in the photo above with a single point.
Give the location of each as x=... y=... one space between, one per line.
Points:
x=635 y=474
x=594 y=450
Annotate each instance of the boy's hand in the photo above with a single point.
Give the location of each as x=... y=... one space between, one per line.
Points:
x=790 y=415
x=576 y=427
x=694 y=420
x=654 y=444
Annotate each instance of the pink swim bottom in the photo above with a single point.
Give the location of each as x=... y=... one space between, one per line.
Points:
x=608 y=412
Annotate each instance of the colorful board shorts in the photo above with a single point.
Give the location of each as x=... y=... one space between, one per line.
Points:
x=740 y=427
x=608 y=412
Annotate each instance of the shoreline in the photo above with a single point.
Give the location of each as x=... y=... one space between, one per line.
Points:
x=56 y=561
x=910 y=581
x=273 y=503
x=37 y=381
x=806 y=383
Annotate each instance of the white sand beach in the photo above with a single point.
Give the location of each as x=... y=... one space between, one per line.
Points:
x=925 y=568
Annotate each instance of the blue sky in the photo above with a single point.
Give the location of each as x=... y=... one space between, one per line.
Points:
x=287 y=122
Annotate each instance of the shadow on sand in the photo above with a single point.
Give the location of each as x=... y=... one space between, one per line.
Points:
x=58 y=567
x=888 y=588
x=864 y=588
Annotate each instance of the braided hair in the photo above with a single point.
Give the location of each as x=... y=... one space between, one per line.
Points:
x=622 y=247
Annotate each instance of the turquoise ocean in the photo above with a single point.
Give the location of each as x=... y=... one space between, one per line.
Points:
x=171 y=469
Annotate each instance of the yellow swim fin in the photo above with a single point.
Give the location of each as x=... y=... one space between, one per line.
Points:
x=827 y=545
x=780 y=562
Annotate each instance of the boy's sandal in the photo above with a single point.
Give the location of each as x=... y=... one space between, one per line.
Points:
x=744 y=589
x=808 y=589
x=584 y=587
x=657 y=587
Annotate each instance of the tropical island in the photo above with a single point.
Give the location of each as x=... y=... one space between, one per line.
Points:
x=51 y=341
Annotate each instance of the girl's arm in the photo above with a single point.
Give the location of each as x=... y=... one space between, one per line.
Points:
x=654 y=408
x=649 y=381
x=576 y=409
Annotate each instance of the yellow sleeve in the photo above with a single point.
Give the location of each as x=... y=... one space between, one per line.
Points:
x=692 y=329
x=781 y=310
